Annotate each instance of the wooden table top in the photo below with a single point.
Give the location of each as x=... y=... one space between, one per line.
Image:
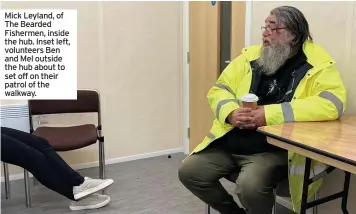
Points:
x=333 y=139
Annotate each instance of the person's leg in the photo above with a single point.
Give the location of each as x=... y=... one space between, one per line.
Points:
x=19 y=154
x=81 y=186
x=200 y=173
x=260 y=174
x=40 y=144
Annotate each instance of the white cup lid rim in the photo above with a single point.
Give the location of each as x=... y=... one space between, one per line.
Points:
x=249 y=98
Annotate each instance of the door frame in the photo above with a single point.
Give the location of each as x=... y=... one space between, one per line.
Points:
x=185 y=37
x=248 y=23
x=185 y=57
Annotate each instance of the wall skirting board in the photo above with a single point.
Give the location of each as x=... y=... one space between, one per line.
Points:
x=110 y=161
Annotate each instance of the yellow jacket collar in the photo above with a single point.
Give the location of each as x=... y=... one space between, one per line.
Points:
x=316 y=55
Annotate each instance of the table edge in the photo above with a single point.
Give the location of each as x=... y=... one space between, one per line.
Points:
x=306 y=147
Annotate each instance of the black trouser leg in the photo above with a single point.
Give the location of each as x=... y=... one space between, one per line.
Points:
x=41 y=145
x=19 y=153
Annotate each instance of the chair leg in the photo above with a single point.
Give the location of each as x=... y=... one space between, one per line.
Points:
x=101 y=160
x=274 y=211
x=7 y=180
x=315 y=209
x=35 y=181
x=27 y=189
x=207 y=209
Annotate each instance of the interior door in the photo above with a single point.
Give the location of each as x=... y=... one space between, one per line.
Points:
x=216 y=34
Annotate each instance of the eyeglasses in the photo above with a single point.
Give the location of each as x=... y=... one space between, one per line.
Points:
x=271 y=30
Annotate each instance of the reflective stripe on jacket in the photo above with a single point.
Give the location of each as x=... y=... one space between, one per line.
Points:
x=319 y=95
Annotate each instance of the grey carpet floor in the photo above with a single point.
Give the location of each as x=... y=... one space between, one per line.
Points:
x=148 y=186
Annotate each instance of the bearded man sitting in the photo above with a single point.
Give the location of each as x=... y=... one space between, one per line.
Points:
x=295 y=80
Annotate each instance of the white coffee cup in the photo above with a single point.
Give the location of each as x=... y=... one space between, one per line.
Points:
x=249 y=101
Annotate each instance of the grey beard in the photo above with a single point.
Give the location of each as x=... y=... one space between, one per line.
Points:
x=273 y=57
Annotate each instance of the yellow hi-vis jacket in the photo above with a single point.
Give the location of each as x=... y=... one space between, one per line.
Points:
x=318 y=94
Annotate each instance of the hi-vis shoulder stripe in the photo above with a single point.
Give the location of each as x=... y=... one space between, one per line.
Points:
x=335 y=100
x=223 y=102
x=222 y=86
x=211 y=136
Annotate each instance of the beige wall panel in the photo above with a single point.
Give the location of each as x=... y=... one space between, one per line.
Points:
x=143 y=76
x=351 y=74
x=132 y=53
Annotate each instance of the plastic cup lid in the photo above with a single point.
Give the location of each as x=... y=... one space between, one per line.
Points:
x=249 y=98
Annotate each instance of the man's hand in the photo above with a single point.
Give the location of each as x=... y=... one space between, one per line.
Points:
x=241 y=118
x=258 y=116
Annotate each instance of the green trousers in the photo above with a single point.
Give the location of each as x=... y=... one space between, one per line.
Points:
x=258 y=175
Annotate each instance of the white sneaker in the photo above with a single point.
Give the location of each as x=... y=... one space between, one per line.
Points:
x=93 y=201
x=90 y=186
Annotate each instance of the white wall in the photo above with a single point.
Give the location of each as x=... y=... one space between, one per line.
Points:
x=333 y=25
x=132 y=53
